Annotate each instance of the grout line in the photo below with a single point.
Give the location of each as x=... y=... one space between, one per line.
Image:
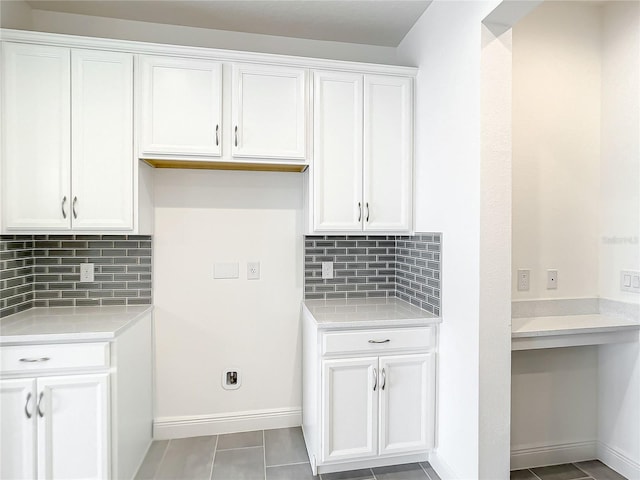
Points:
x=287 y=464
x=213 y=458
x=239 y=448
x=534 y=473
x=373 y=474
x=587 y=474
x=264 y=454
x=425 y=471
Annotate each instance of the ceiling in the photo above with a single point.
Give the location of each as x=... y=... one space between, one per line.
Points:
x=372 y=22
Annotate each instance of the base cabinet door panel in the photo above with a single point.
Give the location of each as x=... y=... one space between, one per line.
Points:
x=73 y=435
x=349 y=408
x=18 y=431
x=406 y=403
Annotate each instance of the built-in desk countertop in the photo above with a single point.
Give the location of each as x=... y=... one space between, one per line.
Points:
x=571 y=330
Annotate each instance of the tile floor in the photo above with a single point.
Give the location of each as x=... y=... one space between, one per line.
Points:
x=262 y=455
x=591 y=470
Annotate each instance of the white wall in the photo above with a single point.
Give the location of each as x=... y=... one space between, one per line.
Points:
x=556 y=148
x=205 y=325
x=620 y=153
x=446 y=44
x=619 y=365
x=72 y=24
x=15 y=14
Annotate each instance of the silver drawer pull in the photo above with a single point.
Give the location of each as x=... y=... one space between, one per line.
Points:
x=375 y=379
x=40 y=412
x=26 y=406
x=35 y=360
x=384 y=379
x=380 y=341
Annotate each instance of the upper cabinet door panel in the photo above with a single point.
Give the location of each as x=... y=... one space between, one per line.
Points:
x=102 y=140
x=36 y=129
x=181 y=106
x=269 y=112
x=337 y=150
x=388 y=153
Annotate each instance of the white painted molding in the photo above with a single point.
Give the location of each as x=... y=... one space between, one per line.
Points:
x=76 y=41
x=615 y=459
x=198 y=425
x=442 y=468
x=553 y=454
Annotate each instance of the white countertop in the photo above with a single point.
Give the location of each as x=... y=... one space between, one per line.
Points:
x=69 y=324
x=568 y=325
x=571 y=331
x=367 y=312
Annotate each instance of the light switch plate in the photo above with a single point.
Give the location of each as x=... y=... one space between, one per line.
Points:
x=552 y=279
x=225 y=270
x=630 y=281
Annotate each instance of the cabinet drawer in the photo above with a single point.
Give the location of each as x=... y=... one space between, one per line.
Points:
x=31 y=358
x=365 y=341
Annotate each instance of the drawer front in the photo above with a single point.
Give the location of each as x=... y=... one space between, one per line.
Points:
x=376 y=341
x=34 y=358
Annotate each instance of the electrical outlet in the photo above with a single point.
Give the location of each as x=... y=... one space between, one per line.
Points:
x=253 y=270
x=552 y=279
x=523 y=280
x=86 y=272
x=327 y=270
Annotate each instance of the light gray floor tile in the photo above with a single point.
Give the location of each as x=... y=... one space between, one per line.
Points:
x=431 y=473
x=411 y=471
x=240 y=464
x=599 y=470
x=365 y=474
x=284 y=446
x=152 y=460
x=300 y=471
x=523 y=475
x=188 y=458
x=240 y=440
x=559 y=472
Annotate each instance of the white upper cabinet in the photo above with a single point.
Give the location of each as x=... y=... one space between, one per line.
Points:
x=101 y=140
x=181 y=110
x=337 y=150
x=362 y=153
x=68 y=127
x=388 y=153
x=269 y=110
x=37 y=134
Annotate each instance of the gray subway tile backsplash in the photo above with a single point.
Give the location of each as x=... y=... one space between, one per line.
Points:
x=366 y=266
x=44 y=271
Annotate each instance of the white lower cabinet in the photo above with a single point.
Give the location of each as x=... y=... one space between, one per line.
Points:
x=55 y=427
x=368 y=396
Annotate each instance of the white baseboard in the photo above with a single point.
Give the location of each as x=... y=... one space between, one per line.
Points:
x=194 y=426
x=542 y=455
x=442 y=468
x=622 y=464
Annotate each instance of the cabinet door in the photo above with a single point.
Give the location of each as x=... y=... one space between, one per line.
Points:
x=406 y=403
x=18 y=432
x=388 y=153
x=36 y=131
x=349 y=407
x=181 y=107
x=337 y=151
x=73 y=435
x=269 y=112
x=102 y=140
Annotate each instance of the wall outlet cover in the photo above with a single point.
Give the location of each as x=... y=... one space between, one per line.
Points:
x=253 y=270
x=552 y=279
x=523 y=280
x=87 y=272
x=327 y=270
x=225 y=270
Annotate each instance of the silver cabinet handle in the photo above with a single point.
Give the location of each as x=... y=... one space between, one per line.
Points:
x=380 y=341
x=35 y=360
x=367 y=211
x=375 y=379
x=236 y=132
x=359 y=211
x=217 y=138
x=384 y=379
x=75 y=214
x=64 y=200
x=26 y=406
x=40 y=412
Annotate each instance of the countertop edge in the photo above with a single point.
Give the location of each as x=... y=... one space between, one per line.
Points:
x=75 y=337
